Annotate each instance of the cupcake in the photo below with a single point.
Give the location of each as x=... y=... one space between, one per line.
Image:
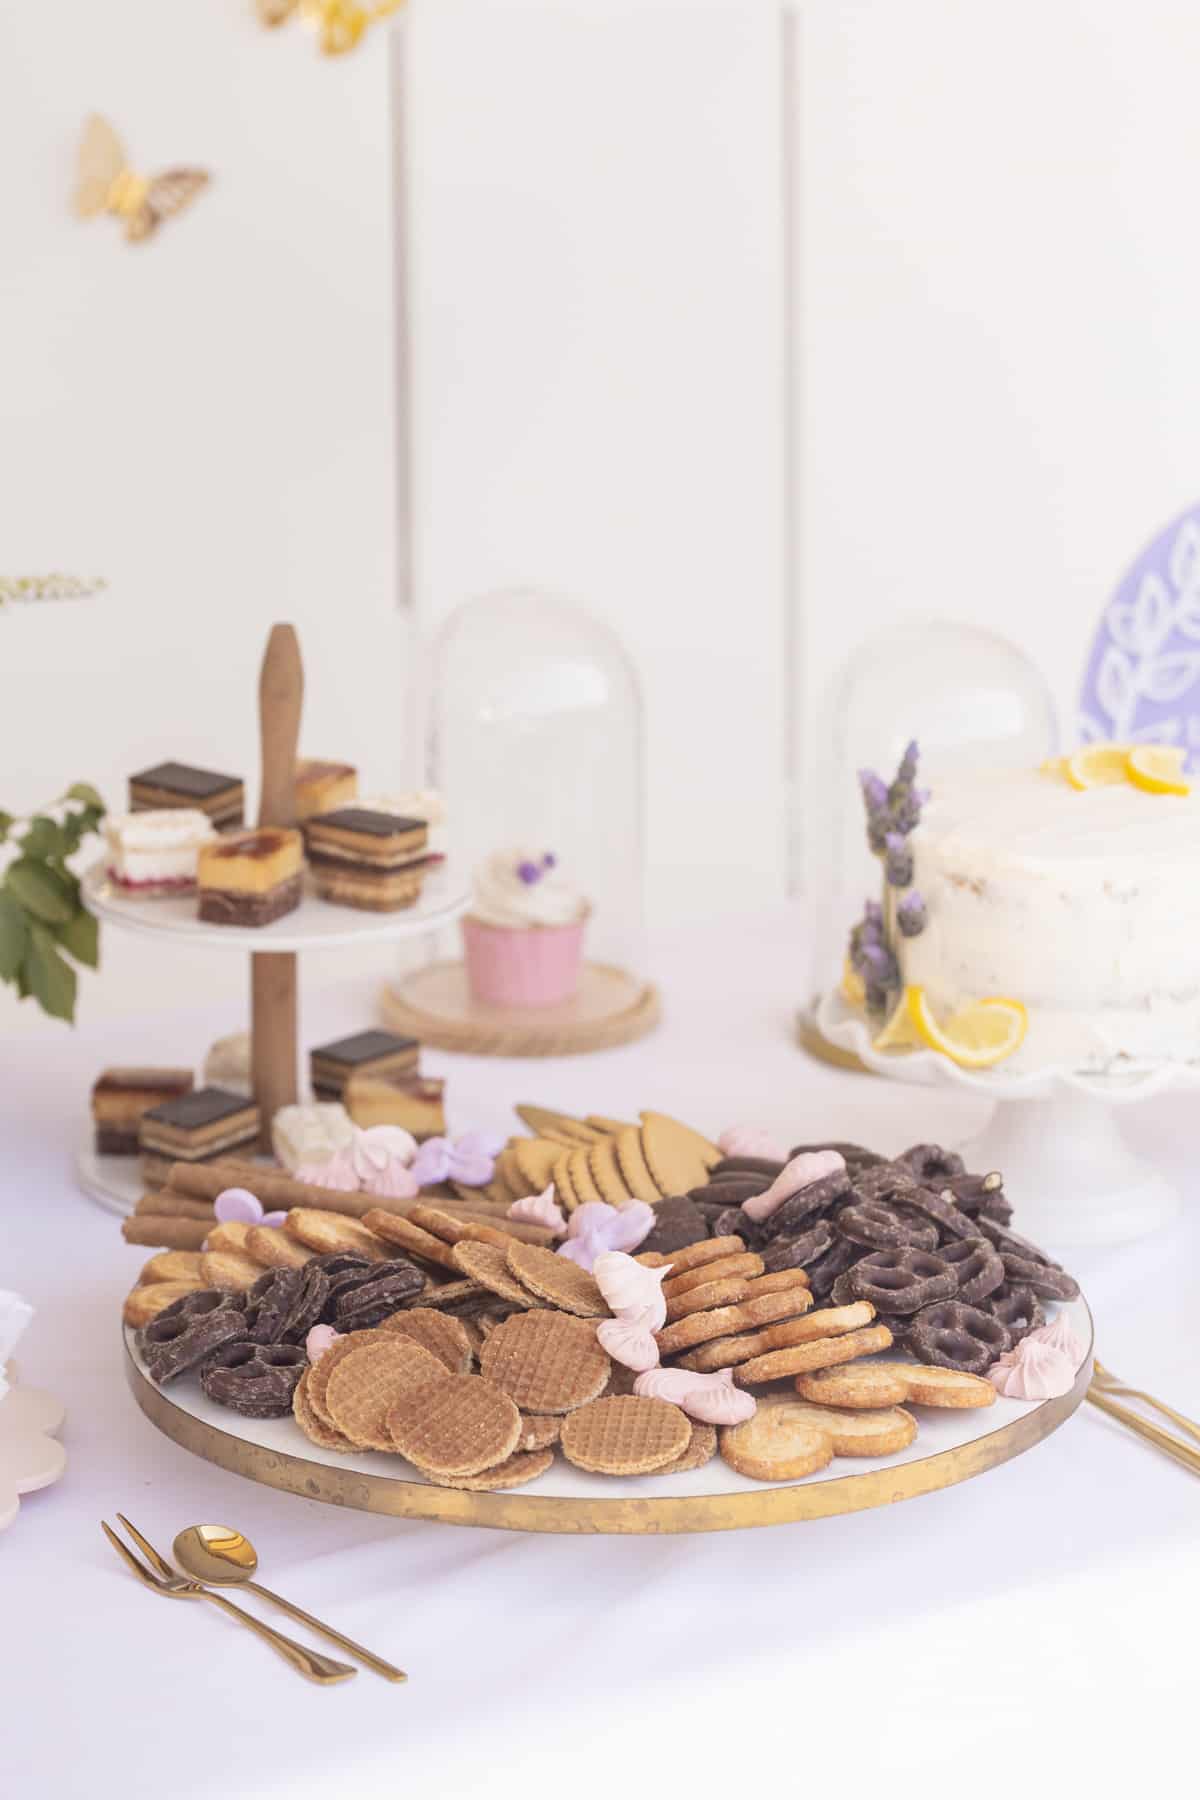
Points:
x=524 y=933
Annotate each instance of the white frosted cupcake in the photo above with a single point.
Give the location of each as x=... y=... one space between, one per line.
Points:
x=523 y=936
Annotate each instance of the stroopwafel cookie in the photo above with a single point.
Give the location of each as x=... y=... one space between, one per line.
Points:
x=362 y=1389
x=556 y=1279
x=488 y=1266
x=320 y=1371
x=313 y=1427
x=549 y=1362
x=701 y=1450
x=443 y=1336
x=515 y=1471
x=454 y=1425
x=625 y=1435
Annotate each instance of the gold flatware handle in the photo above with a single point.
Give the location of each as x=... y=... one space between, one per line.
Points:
x=1111 y=1384
x=386 y=1669
x=308 y=1662
x=1153 y=1434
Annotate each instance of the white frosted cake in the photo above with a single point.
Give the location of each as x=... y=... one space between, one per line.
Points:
x=1082 y=905
x=156 y=852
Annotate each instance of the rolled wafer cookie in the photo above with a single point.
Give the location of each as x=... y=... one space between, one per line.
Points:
x=168 y=1233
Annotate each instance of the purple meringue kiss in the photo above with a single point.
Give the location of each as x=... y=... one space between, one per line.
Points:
x=238 y=1206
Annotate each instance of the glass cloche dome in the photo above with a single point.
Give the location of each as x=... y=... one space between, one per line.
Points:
x=970 y=699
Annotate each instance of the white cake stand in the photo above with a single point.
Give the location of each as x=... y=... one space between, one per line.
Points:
x=113 y=1182
x=1053 y=1134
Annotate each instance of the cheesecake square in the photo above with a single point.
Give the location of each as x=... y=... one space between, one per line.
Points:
x=155 y=852
x=195 y=1127
x=222 y=798
x=365 y=1053
x=251 y=878
x=322 y=787
x=417 y=1102
x=121 y=1098
x=372 y=860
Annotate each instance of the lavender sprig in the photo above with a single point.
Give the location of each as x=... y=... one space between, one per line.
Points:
x=898 y=860
x=911 y=915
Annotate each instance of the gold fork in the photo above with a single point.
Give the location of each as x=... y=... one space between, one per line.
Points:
x=1105 y=1384
x=161 y=1578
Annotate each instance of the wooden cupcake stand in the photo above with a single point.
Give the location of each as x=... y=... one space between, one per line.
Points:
x=273 y=949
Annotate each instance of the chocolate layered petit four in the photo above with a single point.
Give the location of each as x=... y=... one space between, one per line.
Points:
x=155 y=853
x=372 y=860
x=416 y=1102
x=222 y=798
x=322 y=787
x=195 y=1128
x=120 y=1099
x=253 y=878
x=365 y=1053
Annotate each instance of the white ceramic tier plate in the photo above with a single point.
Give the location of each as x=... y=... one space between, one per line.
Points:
x=951 y=1446
x=315 y=924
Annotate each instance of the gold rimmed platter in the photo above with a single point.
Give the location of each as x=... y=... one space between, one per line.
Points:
x=951 y=1447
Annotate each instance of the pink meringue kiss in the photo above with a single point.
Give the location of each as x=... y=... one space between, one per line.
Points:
x=394 y=1180
x=801 y=1172
x=630 y=1339
x=712 y=1399
x=319 y=1340
x=628 y=1287
x=385 y=1142
x=337 y=1172
x=1059 y=1336
x=540 y=1209
x=1032 y=1371
x=751 y=1140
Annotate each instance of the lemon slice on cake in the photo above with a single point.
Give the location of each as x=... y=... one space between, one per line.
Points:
x=1098 y=765
x=1157 y=769
x=899 y=1033
x=978 y=1037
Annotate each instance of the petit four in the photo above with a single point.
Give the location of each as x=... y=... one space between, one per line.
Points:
x=416 y=1102
x=419 y=803
x=228 y=1064
x=222 y=798
x=196 y=1127
x=251 y=879
x=365 y=1053
x=322 y=787
x=367 y=859
x=156 y=852
x=120 y=1097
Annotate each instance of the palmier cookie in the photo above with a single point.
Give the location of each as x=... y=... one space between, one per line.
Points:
x=625 y=1435
x=314 y=1428
x=822 y=1353
x=929 y=1385
x=454 y=1425
x=228 y=1270
x=830 y=1321
x=556 y=1279
x=879 y=1431
x=489 y=1267
x=723 y=1321
x=145 y=1303
x=273 y=1249
x=856 y=1385
x=443 y=1336
x=694 y=1256
x=333 y=1234
x=778 y=1444
x=548 y=1362
x=174 y=1265
x=365 y=1385
x=321 y=1371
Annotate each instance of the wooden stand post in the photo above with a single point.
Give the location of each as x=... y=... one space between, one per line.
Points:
x=273 y=974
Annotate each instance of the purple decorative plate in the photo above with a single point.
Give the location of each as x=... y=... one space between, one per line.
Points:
x=1142 y=682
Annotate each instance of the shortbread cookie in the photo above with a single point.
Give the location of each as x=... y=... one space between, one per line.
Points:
x=515 y=1471
x=173 y=1265
x=557 y=1280
x=564 y=1187
x=321 y=1371
x=313 y=1427
x=272 y=1249
x=606 y=1173
x=701 y=1450
x=229 y=1271
x=822 y=1353
x=881 y=1431
x=549 y=1362
x=631 y=1160
x=363 y=1387
x=722 y=1321
x=332 y=1234
x=535 y=1158
x=855 y=1385
x=776 y=1444
x=582 y=1180
x=454 y=1425
x=488 y=1266
x=443 y=1336
x=539 y=1431
x=625 y=1435
x=741 y=1265
x=928 y=1385
x=145 y=1302
x=677 y=1157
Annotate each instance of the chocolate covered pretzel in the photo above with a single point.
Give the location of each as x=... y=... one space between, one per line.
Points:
x=255 y=1380
x=901 y=1281
x=954 y=1336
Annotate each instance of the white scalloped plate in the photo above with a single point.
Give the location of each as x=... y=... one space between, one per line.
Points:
x=30 y=1455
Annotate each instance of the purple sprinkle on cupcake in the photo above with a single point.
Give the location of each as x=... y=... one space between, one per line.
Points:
x=529 y=872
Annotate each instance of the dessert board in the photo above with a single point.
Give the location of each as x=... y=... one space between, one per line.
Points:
x=435 y=1004
x=316 y=924
x=952 y=1447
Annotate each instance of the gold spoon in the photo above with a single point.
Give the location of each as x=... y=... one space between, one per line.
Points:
x=223 y=1557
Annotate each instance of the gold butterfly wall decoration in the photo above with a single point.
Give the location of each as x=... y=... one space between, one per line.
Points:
x=106 y=183
x=339 y=24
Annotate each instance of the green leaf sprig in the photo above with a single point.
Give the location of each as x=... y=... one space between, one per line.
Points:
x=43 y=920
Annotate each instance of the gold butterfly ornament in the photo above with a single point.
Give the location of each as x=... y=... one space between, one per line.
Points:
x=339 y=24
x=107 y=184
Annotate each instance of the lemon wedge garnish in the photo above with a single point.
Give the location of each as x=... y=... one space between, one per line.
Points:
x=1157 y=769
x=854 y=988
x=978 y=1037
x=899 y=1033
x=1098 y=765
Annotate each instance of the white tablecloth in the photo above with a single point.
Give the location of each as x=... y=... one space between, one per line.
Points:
x=1034 y=1624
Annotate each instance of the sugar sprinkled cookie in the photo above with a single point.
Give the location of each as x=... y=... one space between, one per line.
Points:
x=454 y=1425
x=557 y=1280
x=228 y=1270
x=857 y=1384
x=625 y=1435
x=742 y=1263
x=822 y=1353
x=777 y=1444
x=722 y=1321
x=929 y=1385
x=549 y=1362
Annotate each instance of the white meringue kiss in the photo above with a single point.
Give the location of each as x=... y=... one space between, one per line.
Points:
x=1032 y=1371
x=628 y=1286
x=540 y=1209
x=801 y=1172
x=630 y=1339
x=751 y=1140
x=712 y=1399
